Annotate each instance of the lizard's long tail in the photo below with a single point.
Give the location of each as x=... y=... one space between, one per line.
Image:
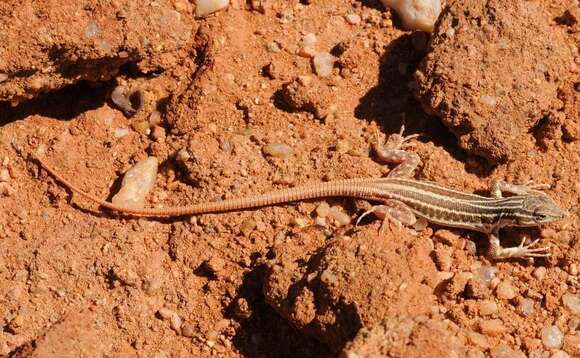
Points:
x=345 y=187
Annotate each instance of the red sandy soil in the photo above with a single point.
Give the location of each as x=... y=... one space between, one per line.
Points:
x=496 y=97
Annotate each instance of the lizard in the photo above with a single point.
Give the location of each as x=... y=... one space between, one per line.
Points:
x=402 y=199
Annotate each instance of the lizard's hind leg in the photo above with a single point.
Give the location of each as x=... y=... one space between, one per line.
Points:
x=392 y=211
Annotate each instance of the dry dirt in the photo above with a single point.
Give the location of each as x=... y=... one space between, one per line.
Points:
x=494 y=92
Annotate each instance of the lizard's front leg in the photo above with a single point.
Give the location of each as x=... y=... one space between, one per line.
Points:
x=392 y=152
x=497 y=252
x=498 y=187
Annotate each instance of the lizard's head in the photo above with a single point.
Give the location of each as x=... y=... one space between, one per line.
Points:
x=540 y=209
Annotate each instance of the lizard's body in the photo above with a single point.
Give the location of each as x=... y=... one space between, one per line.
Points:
x=404 y=199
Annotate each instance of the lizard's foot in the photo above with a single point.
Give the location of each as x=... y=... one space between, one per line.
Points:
x=393 y=212
x=392 y=152
x=498 y=187
x=521 y=251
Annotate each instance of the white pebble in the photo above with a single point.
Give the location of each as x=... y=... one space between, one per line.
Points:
x=539 y=272
x=560 y=354
x=323 y=63
x=488 y=100
x=137 y=183
x=526 y=307
x=353 y=19
x=552 y=337
x=487 y=308
x=323 y=210
x=274 y=46
x=339 y=216
x=4 y=175
x=206 y=7
x=485 y=274
x=572 y=302
x=121 y=132
x=505 y=290
x=416 y=14
x=277 y=150
x=92 y=29
x=309 y=40
x=165 y=313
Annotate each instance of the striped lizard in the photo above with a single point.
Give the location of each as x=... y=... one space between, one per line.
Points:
x=403 y=200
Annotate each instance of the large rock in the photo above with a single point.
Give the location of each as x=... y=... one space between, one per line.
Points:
x=491 y=77
x=50 y=44
x=350 y=282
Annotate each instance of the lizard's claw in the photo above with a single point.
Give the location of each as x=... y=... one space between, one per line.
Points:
x=524 y=250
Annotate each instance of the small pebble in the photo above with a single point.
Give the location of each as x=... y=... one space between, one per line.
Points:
x=506 y=291
x=158 y=133
x=477 y=339
x=502 y=351
x=120 y=132
x=305 y=81
x=277 y=150
x=539 y=272
x=572 y=302
x=175 y=323
x=309 y=40
x=492 y=327
x=573 y=269
x=299 y=222
x=188 y=330
x=485 y=274
x=165 y=313
x=560 y=354
x=242 y=309
x=415 y=14
x=552 y=337
x=443 y=259
x=446 y=237
x=92 y=29
x=4 y=175
x=307 y=51
x=487 y=307
x=182 y=155
x=214 y=265
x=488 y=100
x=339 y=216
x=353 y=19
x=526 y=307
x=323 y=210
x=206 y=7
x=323 y=64
x=286 y=16
x=274 y=47
x=574 y=324
x=137 y=183
x=320 y=221
x=328 y=277
x=121 y=99
x=155 y=118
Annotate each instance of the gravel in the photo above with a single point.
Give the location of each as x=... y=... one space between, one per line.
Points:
x=572 y=302
x=277 y=150
x=323 y=63
x=137 y=183
x=207 y=7
x=552 y=337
